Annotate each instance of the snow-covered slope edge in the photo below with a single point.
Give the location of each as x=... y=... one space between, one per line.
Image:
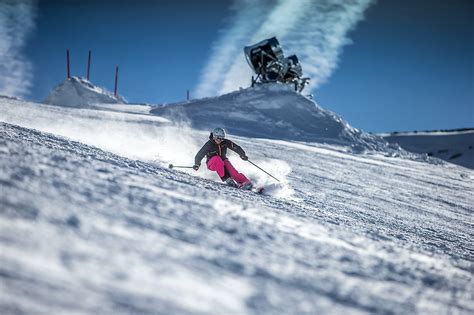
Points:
x=77 y=91
x=84 y=230
x=273 y=111
x=454 y=146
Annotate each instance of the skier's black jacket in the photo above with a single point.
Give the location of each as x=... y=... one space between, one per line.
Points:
x=210 y=149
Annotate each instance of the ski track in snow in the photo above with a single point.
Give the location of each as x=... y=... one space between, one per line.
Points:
x=85 y=230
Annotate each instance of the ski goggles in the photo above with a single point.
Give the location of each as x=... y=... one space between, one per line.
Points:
x=218 y=138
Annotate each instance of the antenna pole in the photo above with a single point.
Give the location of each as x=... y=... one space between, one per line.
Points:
x=89 y=65
x=116 y=80
x=67 y=63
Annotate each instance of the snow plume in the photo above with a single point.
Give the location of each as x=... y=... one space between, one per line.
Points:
x=17 y=20
x=133 y=135
x=278 y=168
x=315 y=31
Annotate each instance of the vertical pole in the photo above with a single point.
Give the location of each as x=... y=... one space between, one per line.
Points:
x=89 y=65
x=187 y=95
x=116 y=80
x=67 y=62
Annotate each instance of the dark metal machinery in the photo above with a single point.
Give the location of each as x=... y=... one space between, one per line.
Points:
x=267 y=60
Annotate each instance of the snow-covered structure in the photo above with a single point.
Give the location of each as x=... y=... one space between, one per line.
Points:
x=77 y=91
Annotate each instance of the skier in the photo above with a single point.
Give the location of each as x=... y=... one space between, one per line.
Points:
x=215 y=149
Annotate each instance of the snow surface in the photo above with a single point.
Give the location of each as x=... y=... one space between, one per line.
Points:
x=77 y=91
x=92 y=220
x=455 y=146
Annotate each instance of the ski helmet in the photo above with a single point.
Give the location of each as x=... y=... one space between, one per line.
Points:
x=218 y=133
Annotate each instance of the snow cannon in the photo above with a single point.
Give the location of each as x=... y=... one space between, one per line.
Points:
x=263 y=55
x=267 y=60
x=294 y=68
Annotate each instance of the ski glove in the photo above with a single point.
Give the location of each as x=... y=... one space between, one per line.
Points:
x=244 y=157
x=195 y=167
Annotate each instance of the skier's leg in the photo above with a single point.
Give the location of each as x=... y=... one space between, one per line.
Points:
x=217 y=165
x=238 y=177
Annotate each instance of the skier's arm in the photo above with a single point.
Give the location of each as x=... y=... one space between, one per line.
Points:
x=236 y=149
x=205 y=148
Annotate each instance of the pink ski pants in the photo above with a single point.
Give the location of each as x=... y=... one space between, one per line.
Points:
x=216 y=164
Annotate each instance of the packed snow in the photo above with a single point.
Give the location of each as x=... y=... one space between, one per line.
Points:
x=93 y=221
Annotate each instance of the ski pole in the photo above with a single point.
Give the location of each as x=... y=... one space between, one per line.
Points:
x=263 y=170
x=176 y=166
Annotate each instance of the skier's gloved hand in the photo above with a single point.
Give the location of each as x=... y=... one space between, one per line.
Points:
x=244 y=157
x=195 y=167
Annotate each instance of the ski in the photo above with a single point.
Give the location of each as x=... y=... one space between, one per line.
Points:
x=257 y=190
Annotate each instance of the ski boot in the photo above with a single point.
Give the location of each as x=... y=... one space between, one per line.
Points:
x=246 y=186
x=230 y=182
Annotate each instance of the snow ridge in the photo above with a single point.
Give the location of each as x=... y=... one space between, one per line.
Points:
x=276 y=111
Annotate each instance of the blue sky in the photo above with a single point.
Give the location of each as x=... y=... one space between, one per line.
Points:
x=409 y=67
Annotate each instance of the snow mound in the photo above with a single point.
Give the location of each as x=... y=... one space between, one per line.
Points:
x=77 y=91
x=272 y=111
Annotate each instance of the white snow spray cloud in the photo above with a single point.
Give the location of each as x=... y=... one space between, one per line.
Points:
x=314 y=30
x=17 y=20
x=133 y=135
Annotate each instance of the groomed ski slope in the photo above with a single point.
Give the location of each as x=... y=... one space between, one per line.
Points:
x=85 y=230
